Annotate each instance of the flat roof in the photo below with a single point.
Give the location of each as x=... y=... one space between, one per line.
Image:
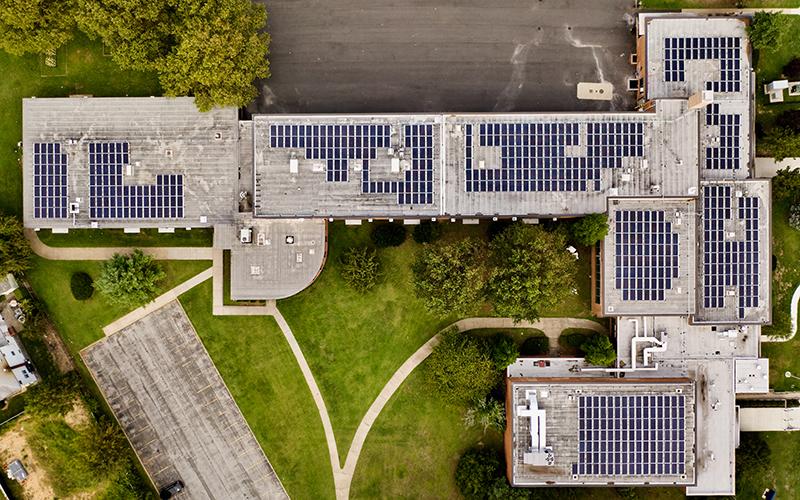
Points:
x=150 y=137
x=602 y=431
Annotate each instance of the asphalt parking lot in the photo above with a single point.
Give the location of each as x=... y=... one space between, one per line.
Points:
x=369 y=56
x=177 y=412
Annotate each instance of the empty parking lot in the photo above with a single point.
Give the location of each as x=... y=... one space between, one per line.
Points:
x=177 y=412
x=445 y=55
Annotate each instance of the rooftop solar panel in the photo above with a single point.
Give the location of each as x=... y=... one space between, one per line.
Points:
x=727 y=50
x=726 y=156
x=631 y=435
x=50 y=197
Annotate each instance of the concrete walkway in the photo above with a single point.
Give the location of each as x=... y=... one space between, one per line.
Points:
x=768 y=167
x=218 y=307
x=159 y=302
x=793 y=315
x=105 y=253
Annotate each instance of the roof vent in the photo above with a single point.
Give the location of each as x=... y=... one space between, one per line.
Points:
x=217 y=136
x=168 y=153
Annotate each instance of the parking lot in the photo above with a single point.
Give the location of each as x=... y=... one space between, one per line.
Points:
x=176 y=411
x=445 y=55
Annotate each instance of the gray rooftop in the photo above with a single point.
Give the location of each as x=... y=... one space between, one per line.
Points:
x=165 y=136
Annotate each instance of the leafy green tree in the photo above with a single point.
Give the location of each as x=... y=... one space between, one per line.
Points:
x=782 y=143
x=786 y=185
x=130 y=280
x=504 y=351
x=792 y=69
x=599 y=351
x=789 y=119
x=767 y=30
x=487 y=413
x=361 y=268
x=388 y=234
x=532 y=271
x=590 y=229
x=427 y=232
x=450 y=278
x=535 y=346
x=460 y=368
x=15 y=253
x=81 y=285
x=752 y=459
x=476 y=472
x=104 y=447
x=52 y=396
x=35 y=26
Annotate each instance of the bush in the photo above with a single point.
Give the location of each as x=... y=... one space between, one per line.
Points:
x=789 y=119
x=504 y=351
x=496 y=227
x=427 y=232
x=450 y=278
x=792 y=69
x=15 y=253
x=460 y=368
x=360 y=268
x=535 y=346
x=52 y=396
x=82 y=286
x=388 y=234
x=590 y=229
x=794 y=217
x=782 y=143
x=767 y=30
x=599 y=351
x=476 y=472
x=786 y=185
x=487 y=413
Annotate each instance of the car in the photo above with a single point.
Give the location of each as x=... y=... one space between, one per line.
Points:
x=172 y=489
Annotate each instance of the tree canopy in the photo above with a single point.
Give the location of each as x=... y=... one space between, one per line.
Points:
x=783 y=143
x=532 y=271
x=427 y=232
x=35 y=26
x=786 y=185
x=599 y=351
x=590 y=229
x=131 y=280
x=360 y=268
x=450 y=278
x=789 y=119
x=504 y=351
x=792 y=69
x=15 y=253
x=767 y=30
x=477 y=469
x=388 y=234
x=487 y=413
x=460 y=368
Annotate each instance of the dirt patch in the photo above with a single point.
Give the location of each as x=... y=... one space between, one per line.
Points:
x=78 y=417
x=56 y=347
x=14 y=445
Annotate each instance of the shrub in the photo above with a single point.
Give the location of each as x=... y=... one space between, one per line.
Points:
x=427 y=232
x=130 y=280
x=388 y=234
x=535 y=346
x=82 y=286
x=460 y=368
x=782 y=143
x=590 y=229
x=487 y=413
x=792 y=69
x=794 y=217
x=15 y=253
x=786 y=185
x=789 y=119
x=450 y=278
x=476 y=472
x=504 y=351
x=599 y=351
x=52 y=396
x=360 y=268
x=496 y=227
x=767 y=30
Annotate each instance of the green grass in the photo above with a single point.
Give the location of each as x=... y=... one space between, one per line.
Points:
x=87 y=72
x=81 y=323
x=58 y=448
x=715 y=4
x=117 y=238
x=14 y=406
x=782 y=469
x=259 y=369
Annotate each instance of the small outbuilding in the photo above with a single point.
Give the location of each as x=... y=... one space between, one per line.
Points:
x=17 y=471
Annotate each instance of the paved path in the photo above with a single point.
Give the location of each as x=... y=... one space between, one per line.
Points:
x=159 y=302
x=218 y=307
x=768 y=167
x=793 y=314
x=105 y=253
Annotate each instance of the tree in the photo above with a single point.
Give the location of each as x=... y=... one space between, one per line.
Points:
x=81 y=285
x=786 y=185
x=783 y=143
x=535 y=346
x=360 y=268
x=460 y=368
x=794 y=217
x=130 y=280
x=789 y=119
x=476 y=472
x=450 y=278
x=36 y=26
x=487 y=413
x=532 y=271
x=388 y=234
x=590 y=229
x=103 y=447
x=752 y=458
x=427 y=232
x=52 y=396
x=504 y=351
x=599 y=351
x=15 y=253
x=767 y=30
x=792 y=69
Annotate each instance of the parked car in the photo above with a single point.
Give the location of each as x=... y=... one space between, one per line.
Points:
x=172 y=489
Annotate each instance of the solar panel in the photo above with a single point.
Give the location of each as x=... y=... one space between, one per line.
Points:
x=726 y=155
x=727 y=50
x=728 y=263
x=541 y=156
x=646 y=254
x=111 y=198
x=631 y=435
x=50 y=195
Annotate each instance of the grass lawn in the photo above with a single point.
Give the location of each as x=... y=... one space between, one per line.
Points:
x=118 y=238
x=264 y=378
x=81 y=322
x=783 y=467
x=711 y=4
x=87 y=72
x=14 y=405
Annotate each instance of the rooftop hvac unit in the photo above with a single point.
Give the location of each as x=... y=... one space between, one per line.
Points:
x=74 y=208
x=246 y=235
x=293 y=165
x=390 y=152
x=317 y=167
x=625 y=177
x=395 y=165
x=739 y=194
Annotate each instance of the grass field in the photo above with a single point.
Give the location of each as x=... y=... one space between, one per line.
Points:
x=262 y=374
x=715 y=4
x=118 y=238
x=87 y=72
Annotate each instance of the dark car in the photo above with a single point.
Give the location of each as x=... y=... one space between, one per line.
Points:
x=171 y=489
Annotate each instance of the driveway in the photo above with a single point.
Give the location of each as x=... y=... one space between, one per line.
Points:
x=368 y=56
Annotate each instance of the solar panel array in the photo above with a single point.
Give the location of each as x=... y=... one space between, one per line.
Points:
x=50 y=197
x=726 y=155
x=111 y=198
x=534 y=157
x=729 y=263
x=631 y=435
x=678 y=50
x=646 y=254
